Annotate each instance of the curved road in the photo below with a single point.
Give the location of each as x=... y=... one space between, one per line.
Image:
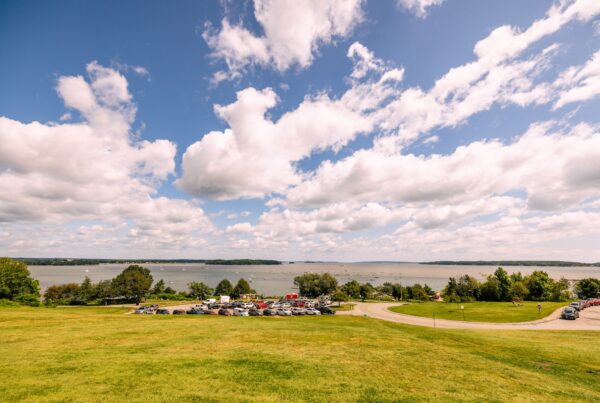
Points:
x=589 y=319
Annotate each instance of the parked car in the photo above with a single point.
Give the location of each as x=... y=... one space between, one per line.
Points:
x=140 y=310
x=298 y=311
x=270 y=312
x=224 y=312
x=240 y=312
x=312 y=311
x=195 y=311
x=325 y=310
x=179 y=312
x=284 y=312
x=209 y=312
x=255 y=312
x=162 y=311
x=569 y=313
x=576 y=305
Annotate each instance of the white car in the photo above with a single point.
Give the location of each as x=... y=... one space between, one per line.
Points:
x=284 y=312
x=312 y=311
x=275 y=306
x=240 y=312
x=247 y=305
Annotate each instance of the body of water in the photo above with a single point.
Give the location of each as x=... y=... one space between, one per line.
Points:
x=278 y=279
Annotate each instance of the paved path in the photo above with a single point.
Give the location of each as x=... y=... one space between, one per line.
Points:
x=589 y=319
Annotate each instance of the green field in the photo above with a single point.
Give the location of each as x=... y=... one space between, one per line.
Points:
x=100 y=354
x=480 y=311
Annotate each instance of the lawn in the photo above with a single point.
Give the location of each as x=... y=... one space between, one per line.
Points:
x=99 y=354
x=480 y=311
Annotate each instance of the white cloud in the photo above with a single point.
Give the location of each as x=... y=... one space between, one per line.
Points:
x=92 y=170
x=418 y=7
x=257 y=156
x=579 y=83
x=293 y=32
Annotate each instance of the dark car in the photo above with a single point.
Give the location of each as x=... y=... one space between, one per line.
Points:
x=162 y=311
x=179 y=312
x=569 y=313
x=195 y=311
x=576 y=305
x=224 y=312
x=325 y=310
x=255 y=312
x=270 y=312
x=209 y=312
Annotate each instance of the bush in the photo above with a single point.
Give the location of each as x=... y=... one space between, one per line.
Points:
x=16 y=283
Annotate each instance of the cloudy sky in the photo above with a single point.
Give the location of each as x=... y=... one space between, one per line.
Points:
x=330 y=130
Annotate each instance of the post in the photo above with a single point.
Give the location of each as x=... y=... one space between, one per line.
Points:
x=539 y=306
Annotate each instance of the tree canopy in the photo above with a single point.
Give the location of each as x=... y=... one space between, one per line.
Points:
x=224 y=288
x=133 y=283
x=16 y=283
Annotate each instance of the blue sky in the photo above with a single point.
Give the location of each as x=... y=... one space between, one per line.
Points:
x=296 y=166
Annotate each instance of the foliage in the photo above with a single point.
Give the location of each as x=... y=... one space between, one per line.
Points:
x=16 y=283
x=224 y=288
x=588 y=288
x=159 y=287
x=64 y=294
x=133 y=283
x=313 y=285
x=199 y=290
x=340 y=296
x=351 y=289
x=466 y=289
x=242 y=287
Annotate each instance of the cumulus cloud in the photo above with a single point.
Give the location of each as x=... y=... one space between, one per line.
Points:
x=418 y=7
x=93 y=169
x=293 y=32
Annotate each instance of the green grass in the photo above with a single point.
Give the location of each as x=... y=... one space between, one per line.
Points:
x=480 y=311
x=101 y=355
x=343 y=307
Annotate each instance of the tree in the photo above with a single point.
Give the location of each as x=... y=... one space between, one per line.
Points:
x=64 y=294
x=340 y=296
x=159 y=287
x=103 y=290
x=504 y=284
x=133 y=283
x=467 y=288
x=588 y=288
x=351 y=289
x=224 y=288
x=199 y=290
x=366 y=290
x=16 y=283
x=560 y=290
x=490 y=290
x=418 y=292
x=518 y=290
x=539 y=285
x=397 y=291
x=312 y=285
x=86 y=292
x=242 y=287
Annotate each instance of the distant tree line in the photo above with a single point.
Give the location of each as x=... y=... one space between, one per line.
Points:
x=541 y=263
x=313 y=285
x=95 y=262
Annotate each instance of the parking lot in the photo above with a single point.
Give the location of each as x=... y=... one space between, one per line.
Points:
x=296 y=307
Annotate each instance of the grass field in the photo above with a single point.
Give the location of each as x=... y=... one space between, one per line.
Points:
x=99 y=354
x=480 y=311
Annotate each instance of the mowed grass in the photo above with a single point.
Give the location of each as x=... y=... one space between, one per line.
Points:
x=101 y=355
x=480 y=311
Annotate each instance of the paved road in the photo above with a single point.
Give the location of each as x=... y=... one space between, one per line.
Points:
x=589 y=319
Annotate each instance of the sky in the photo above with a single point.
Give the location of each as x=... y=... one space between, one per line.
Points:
x=407 y=130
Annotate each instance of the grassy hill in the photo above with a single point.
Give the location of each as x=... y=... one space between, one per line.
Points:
x=99 y=354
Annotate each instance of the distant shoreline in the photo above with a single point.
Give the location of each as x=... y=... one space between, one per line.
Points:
x=553 y=263
x=96 y=262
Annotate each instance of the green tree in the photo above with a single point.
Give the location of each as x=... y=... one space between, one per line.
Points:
x=340 y=296
x=539 y=285
x=490 y=290
x=224 y=288
x=63 y=294
x=16 y=283
x=200 y=290
x=560 y=290
x=504 y=284
x=418 y=292
x=352 y=289
x=242 y=287
x=468 y=288
x=103 y=290
x=159 y=287
x=366 y=291
x=518 y=290
x=86 y=291
x=588 y=288
x=134 y=283
x=398 y=291
x=312 y=285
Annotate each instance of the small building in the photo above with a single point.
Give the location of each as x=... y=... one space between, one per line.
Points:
x=248 y=297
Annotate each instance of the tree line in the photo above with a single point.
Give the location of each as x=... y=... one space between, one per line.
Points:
x=500 y=286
